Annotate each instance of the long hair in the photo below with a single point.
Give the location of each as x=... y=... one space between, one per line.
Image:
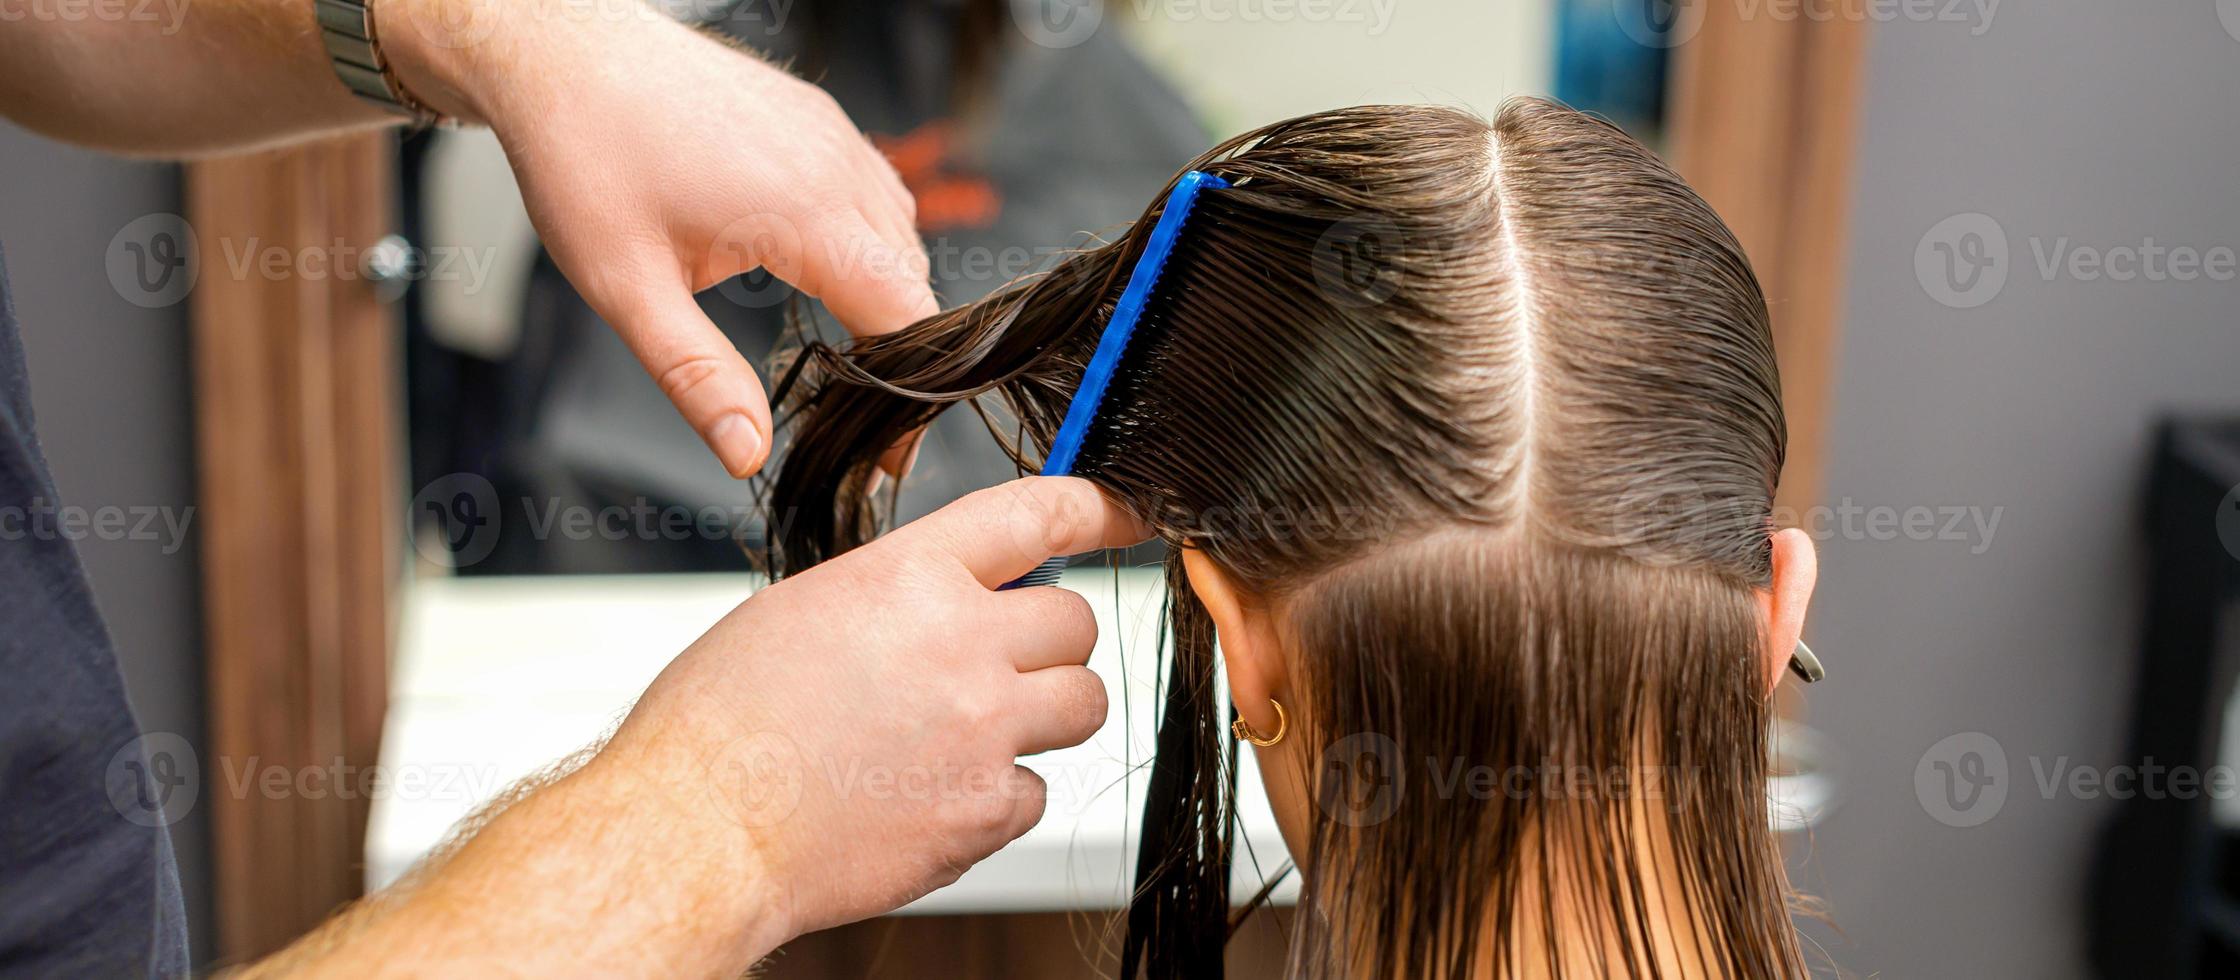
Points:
x=1488 y=413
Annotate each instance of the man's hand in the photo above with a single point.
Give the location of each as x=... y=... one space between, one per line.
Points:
x=842 y=743
x=657 y=162
x=860 y=723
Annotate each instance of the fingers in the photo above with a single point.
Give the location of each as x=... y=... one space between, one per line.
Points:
x=872 y=282
x=1002 y=532
x=1057 y=628
x=898 y=229
x=1029 y=796
x=890 y=182
x=712 y=386
x=1060 y=707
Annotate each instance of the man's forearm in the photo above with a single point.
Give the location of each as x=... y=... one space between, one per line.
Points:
x=197 y=77
x=597 y=872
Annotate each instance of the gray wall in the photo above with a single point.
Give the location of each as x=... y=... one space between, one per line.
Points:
x=2107 y=123
x=110 y=387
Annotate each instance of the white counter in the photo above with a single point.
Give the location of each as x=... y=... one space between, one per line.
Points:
x=497 y=677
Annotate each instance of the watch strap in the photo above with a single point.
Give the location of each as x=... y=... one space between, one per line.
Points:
x=354 y=49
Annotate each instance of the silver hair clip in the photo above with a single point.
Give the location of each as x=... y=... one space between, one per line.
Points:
x=1806 y=666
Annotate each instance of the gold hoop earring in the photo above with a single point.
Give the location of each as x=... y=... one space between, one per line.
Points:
x=1244 y=731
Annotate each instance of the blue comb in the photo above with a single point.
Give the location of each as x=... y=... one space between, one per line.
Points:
x=1082 y=412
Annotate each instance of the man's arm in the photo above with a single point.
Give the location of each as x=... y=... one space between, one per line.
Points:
x=655 y=160
x=841 y=744
x=589 y=872
x=176 y=78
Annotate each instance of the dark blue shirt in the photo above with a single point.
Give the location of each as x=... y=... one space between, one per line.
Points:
x=88 y=885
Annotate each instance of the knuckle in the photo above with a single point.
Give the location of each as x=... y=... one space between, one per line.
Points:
x=898 y=582
x=928 y=594
x=991 y=816
x=689 y=375
x=830 y=212
x=980 y=513
x=948 y=871
x=976 y=710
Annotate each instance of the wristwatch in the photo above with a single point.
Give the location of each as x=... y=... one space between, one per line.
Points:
x=355 y=50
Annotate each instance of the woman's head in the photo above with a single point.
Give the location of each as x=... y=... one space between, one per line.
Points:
x=1465 y=436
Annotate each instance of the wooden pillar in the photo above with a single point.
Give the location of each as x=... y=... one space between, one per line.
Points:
x=297 y=421
x=1762 y=114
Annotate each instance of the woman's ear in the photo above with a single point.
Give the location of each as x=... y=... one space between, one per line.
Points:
x=1796 y=568
x=1250 y=649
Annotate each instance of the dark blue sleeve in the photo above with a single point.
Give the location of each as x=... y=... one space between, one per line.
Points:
x=88 y=885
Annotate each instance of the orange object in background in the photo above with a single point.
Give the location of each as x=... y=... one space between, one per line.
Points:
x=946 y=200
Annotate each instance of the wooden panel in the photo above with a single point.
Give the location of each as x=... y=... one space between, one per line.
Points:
x=1027 y=946
x=1763 y=111
x=297 y=427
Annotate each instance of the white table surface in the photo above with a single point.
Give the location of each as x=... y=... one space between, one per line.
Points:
x=497 y=677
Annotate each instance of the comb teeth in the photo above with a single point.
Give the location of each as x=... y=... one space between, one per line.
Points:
x=1081 y=413
x=1046 y=573
x=1097 y=376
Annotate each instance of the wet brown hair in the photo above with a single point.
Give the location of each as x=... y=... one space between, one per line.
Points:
x=1488 y=412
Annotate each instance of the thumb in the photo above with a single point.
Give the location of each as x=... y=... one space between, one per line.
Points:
x=1004 y=531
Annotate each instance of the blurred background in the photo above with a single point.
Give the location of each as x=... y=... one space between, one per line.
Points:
x=428 y=517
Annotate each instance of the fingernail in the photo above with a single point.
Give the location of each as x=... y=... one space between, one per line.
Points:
x=899 y=468
x=736 y=443
x=910 y=462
